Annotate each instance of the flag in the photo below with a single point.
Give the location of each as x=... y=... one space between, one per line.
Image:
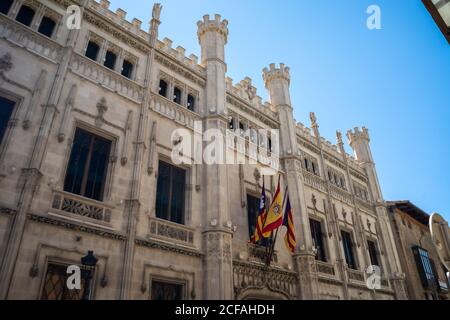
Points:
x=261 y=217
x=288 y=222
x=274 y=218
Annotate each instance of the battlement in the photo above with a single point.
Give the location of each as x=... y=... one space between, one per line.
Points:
x=119 y=17
x=247 y=92
x=179 y=54
x=216 y=25
x=358 y=134
x=276 y=73
x=327 y=146
x=134 y=28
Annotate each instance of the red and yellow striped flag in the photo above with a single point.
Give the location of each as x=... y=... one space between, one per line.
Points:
x=288 y=222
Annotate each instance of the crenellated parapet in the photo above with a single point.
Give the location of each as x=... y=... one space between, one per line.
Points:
x=357 y=134
x=217 y=25
x=274 y=73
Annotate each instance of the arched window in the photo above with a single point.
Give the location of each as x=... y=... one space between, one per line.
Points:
x=177 y=95
x=110 y=60
x=92 y=50
x=47 y=26
x=162 y=88
x=127 y=69
x=5 y=5
x=306 y=164
x=25 y=15
x=191 y=102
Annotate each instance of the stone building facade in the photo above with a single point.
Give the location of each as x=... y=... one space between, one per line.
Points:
x=426 y=277
x=85 y=165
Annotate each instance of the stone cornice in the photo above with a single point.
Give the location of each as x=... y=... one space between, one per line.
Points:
x=168 y=247
x=179 y=68
x=76 y=226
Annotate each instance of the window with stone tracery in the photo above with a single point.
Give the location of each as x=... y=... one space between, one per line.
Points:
x=167 y=291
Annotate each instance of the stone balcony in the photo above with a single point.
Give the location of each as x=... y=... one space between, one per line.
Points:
x=175 y=112
x=29 y=39
x=79 y=208
x=325 y=268
x=171 y=232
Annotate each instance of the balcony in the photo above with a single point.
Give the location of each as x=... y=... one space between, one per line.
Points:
x=170 y=231
x=74 y=206
x=29 y=39
x=314 y=181
x=174 y=111
x=341 y=195
x=355 y=275
x=325 y=268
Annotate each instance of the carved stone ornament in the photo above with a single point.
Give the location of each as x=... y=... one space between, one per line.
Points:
x=156 y=13
x=102 y=108
x=5 y=64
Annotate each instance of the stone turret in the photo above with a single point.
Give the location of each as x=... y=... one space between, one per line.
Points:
x=359 y=141
x=213 y=36
x=277 y=81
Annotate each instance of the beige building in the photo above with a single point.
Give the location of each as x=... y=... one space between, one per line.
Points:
x=425 y=274
x=87 y=117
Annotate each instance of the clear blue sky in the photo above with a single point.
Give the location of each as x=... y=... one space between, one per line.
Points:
x=395 y=81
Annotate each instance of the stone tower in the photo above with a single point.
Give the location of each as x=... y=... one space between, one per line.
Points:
x=359 y=141
x=277 y=81
x=218 y=281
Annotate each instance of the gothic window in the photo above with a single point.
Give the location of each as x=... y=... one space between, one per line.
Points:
x=177 y=95
x=314 y=167
x=347 y=244
x=110 y=60
x=317 y=238
x=269 y=144
x=47 y=26
x=127 y=69
x=86 y=172
x=306 y=164
x=191 y=102
x=5 y=5
x=92 y=50
x=162 y=88
x=373 y=253
x=166 y=291
x=170 y=193
x=55 y=287
x=6 y=109
x=241 y=128
x=25 y=15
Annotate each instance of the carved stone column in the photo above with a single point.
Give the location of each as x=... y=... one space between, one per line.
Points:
x=305 y=264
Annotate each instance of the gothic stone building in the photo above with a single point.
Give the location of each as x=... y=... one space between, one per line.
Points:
x=87 y=116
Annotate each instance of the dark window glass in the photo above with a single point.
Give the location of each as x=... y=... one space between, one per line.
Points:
x=127 y=69
x=5 y=5
x=163 y=88
x=269 y=144
x=314 y=168
x=166 y=291
x=347 y=243
x=252 y=213
x=170 y=193
x=86 y=173
x=425 y=267
x=25 y=15
x=55 y=287
x=92 y=50
x=177 y=95
x=47 y=26
x=110 y=60
x=317 y=237
x=373 y=253
x=191 y=102
x=6 y=109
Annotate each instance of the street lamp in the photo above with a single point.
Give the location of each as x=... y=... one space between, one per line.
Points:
x=89 y=262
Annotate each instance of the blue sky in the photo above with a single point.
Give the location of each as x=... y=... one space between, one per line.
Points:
x=395 y=81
